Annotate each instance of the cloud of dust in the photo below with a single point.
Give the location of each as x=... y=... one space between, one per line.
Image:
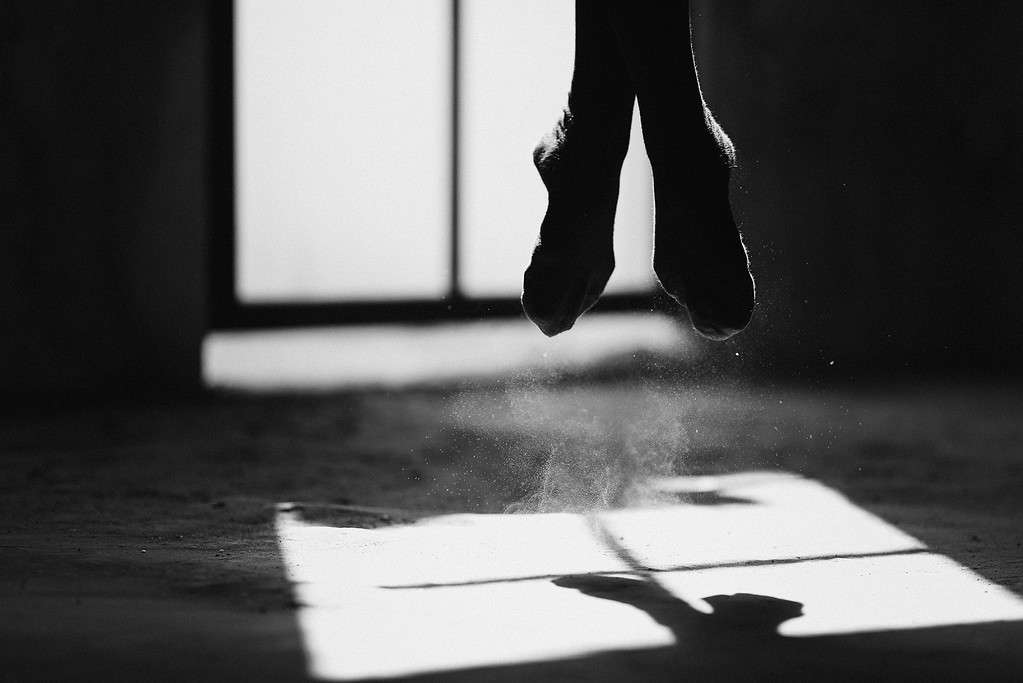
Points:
x=602 y=444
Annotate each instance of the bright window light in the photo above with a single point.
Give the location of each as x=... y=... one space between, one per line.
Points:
x=447 y=593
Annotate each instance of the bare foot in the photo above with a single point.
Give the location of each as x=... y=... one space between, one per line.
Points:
x=699 y=256
x=580 y=164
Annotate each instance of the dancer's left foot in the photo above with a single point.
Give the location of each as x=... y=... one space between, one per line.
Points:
x=580 y=163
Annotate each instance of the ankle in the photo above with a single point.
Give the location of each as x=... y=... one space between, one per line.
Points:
x=721 y=142
x=689 y=149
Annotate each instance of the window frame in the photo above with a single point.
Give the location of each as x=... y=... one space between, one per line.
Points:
x=227 y=311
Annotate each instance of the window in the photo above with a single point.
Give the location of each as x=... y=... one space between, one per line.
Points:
x=375 y=160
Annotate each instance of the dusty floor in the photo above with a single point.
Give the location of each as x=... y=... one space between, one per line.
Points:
x=137 y=541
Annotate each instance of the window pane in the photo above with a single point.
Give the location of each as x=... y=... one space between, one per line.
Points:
x=516 y=68
x=343 y=148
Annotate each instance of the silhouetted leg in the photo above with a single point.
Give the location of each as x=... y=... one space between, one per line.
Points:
x=580 y=163
x=699 y=257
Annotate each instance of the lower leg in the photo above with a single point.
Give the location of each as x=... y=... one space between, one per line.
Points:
x=699 y=257
x=580 y=163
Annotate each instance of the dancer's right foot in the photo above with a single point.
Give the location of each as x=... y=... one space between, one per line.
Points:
x=699 y=257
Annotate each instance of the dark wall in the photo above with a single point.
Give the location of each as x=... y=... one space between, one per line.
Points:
x=880 y=186
x=103 y=176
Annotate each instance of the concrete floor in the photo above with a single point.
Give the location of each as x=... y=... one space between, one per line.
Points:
x=139 y=541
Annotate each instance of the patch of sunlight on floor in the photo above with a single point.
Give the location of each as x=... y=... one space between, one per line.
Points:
x=446 y=592
x=403 y=355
